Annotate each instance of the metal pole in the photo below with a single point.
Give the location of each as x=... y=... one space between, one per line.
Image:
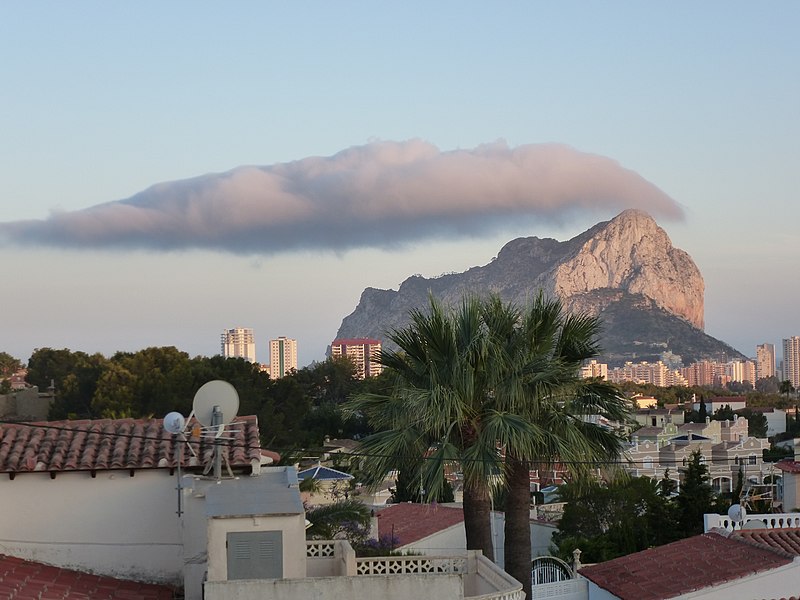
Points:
x=216 y=421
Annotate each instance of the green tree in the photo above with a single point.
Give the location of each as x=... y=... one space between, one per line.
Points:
x=440 y=399
x=495 y=389
x=345 y=518
x=608 y=520
x=542 y=405
x=696 y=498
x=8 y=365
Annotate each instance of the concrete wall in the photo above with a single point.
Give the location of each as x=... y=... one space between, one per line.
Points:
x=26 y=404
x=294 y=542
x=391 y=587
x=113 y=524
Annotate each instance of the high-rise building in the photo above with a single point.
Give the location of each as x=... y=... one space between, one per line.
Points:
x=282 y=356
x=362 y=351
x=765 y=361
x=239 y=343
x=594 y=369
x=791 y=360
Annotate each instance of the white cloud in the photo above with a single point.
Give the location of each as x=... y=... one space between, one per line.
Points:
x=380 y=194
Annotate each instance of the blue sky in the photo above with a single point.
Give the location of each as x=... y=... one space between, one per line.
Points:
x=102 y=100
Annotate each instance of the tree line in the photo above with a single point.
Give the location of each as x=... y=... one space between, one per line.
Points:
x=297 y=410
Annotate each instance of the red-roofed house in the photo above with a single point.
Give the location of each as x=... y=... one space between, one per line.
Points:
x=718 y=565
x=425 y=528
x=433 y=529
x=101 y=495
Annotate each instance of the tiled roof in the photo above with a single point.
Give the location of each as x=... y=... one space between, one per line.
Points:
x=409 y=522
x=680 y=567
x=26 y=579
x=787 y=540
x=106 y=444
x=788 y=466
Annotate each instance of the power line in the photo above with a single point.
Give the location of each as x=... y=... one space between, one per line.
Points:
x=367 y=455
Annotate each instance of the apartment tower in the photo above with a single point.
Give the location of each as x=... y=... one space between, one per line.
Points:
x=239 y=343
x=765 y=361
x=282 y=357
x=362 y=351
x=791 y=360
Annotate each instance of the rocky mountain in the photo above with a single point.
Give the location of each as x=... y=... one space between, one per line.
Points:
x=648 y=293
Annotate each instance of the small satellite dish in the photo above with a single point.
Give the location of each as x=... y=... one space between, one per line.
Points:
x=215 y=393
x=737 y=513
x=174 y=422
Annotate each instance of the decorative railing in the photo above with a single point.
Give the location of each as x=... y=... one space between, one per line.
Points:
x=406 y=565
x=770 y=521
x=320 y=548
x=569 y=589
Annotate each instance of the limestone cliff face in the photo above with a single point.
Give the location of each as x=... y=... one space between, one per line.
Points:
x=632 y=253
x=629 y=258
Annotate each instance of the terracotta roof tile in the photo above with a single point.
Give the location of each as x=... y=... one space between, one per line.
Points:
x=787 y=540
x=410 y=522
x=789 y=466
x=661 y=572
x=26 y=579
x=57 y=446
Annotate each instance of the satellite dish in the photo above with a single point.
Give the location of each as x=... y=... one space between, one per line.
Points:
x=174 y=422
x=215 y=393
x=737 y=513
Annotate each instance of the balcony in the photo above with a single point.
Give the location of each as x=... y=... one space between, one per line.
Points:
x=333 y=571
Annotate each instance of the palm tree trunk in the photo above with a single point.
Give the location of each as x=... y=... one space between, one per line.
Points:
x=477 y=514
x=517 y=526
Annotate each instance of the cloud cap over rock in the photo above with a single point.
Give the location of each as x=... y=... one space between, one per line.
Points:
x=381 y=194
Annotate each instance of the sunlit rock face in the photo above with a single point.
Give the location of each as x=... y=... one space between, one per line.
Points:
x=627 y=262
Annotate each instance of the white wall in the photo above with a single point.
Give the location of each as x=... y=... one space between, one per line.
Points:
x=377 y=587
x=294 y=542
x=113 y=524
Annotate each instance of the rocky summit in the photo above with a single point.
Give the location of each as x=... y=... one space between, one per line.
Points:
x=648 y=293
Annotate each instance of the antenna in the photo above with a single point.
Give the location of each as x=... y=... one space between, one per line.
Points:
x=736 y=513
x=215 y=405
x=174 y=423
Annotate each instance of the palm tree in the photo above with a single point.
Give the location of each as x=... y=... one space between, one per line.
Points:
x=439 y=400
x=536 y=354
x=494 y=389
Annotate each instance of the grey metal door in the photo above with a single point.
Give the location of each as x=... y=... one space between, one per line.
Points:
x=255 y=554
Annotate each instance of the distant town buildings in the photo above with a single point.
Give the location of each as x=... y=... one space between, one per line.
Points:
x=239 y=343
x=701 y=373
x=362 y=351
x=644 y=372
x=282 y=357
x=594 y=369
x=791 y=360
x=765 y=361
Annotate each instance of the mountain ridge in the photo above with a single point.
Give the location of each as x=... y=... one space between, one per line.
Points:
x=627 y=261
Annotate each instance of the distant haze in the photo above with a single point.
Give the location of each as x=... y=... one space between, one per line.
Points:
x=381 y=194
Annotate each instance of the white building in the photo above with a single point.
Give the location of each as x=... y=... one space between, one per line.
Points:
x=239 y=342
x=282 y=357
x=362 y=351
x=765 y=361
x=101 y=497
x=594 y=369
x=791 y=360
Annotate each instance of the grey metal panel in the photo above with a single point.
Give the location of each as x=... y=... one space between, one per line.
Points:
x=255 y=554
x=270 y=493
